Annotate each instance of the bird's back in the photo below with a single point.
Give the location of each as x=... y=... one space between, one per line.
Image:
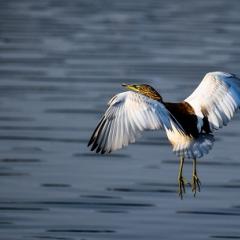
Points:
x=185 y=115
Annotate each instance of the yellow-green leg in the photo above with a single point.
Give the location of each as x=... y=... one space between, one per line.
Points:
x=196 y=184
x=181 y=179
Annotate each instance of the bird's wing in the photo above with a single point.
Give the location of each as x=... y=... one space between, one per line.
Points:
x=217 y=98
x=127 y=115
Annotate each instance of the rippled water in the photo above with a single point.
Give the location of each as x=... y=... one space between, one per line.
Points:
x=60 y=62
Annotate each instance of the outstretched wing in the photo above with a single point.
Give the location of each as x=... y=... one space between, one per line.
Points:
x=127 y=116
x=216 y=98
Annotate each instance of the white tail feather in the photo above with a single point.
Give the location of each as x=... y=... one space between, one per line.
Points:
x=194 y=148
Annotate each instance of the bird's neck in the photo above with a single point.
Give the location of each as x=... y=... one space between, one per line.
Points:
x=153 y=94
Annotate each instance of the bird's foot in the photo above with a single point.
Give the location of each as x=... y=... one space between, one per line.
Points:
x=196 y=184
x=182 y=181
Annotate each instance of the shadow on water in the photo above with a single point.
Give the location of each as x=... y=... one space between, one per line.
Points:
x=210 y=212
x=226 y=163
x=141 y=189
x=80 y=231
x=20 y=160
x=226 y=236
x=88 y=202
x=95 y=155
x=55 y=185
x=52 y=237
x=42 y=139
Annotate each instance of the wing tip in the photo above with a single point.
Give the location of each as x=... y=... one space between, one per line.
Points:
x=95 y=147
x=90 y=142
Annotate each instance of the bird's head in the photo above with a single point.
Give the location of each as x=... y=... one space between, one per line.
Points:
x=144 y=89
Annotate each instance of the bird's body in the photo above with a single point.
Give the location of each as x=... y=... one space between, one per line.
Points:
x=185 y=115
x=189 y=124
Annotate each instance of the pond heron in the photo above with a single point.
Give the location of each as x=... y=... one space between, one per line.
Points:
x=189 y=125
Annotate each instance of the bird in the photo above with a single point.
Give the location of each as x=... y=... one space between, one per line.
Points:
x=189 y=124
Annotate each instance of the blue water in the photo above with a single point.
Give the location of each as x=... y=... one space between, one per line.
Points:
x=60 y=62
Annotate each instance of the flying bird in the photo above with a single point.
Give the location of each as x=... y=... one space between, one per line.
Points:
x=189 y=125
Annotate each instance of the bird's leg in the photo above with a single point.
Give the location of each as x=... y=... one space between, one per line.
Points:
x=196 y=184
x=181 y=179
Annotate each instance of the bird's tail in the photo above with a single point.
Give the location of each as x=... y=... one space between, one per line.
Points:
x=195 y=147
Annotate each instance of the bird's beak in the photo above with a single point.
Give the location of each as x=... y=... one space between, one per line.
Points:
x=129 y=86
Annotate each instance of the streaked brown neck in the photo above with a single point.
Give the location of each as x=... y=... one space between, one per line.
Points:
x=151 y=93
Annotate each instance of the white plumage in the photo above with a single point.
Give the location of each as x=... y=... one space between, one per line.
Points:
x=190 y=147
x=218 y=97
x=128 y=114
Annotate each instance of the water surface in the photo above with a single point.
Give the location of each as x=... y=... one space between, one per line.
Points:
x=60 y=62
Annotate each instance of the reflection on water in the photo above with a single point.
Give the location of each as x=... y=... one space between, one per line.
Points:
x=60 y=62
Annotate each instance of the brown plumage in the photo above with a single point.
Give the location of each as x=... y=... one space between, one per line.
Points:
x=146 y=90
x=149 y=91
x=185 y=115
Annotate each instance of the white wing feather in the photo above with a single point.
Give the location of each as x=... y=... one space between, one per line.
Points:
x=217 y=97
x=127 y=116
